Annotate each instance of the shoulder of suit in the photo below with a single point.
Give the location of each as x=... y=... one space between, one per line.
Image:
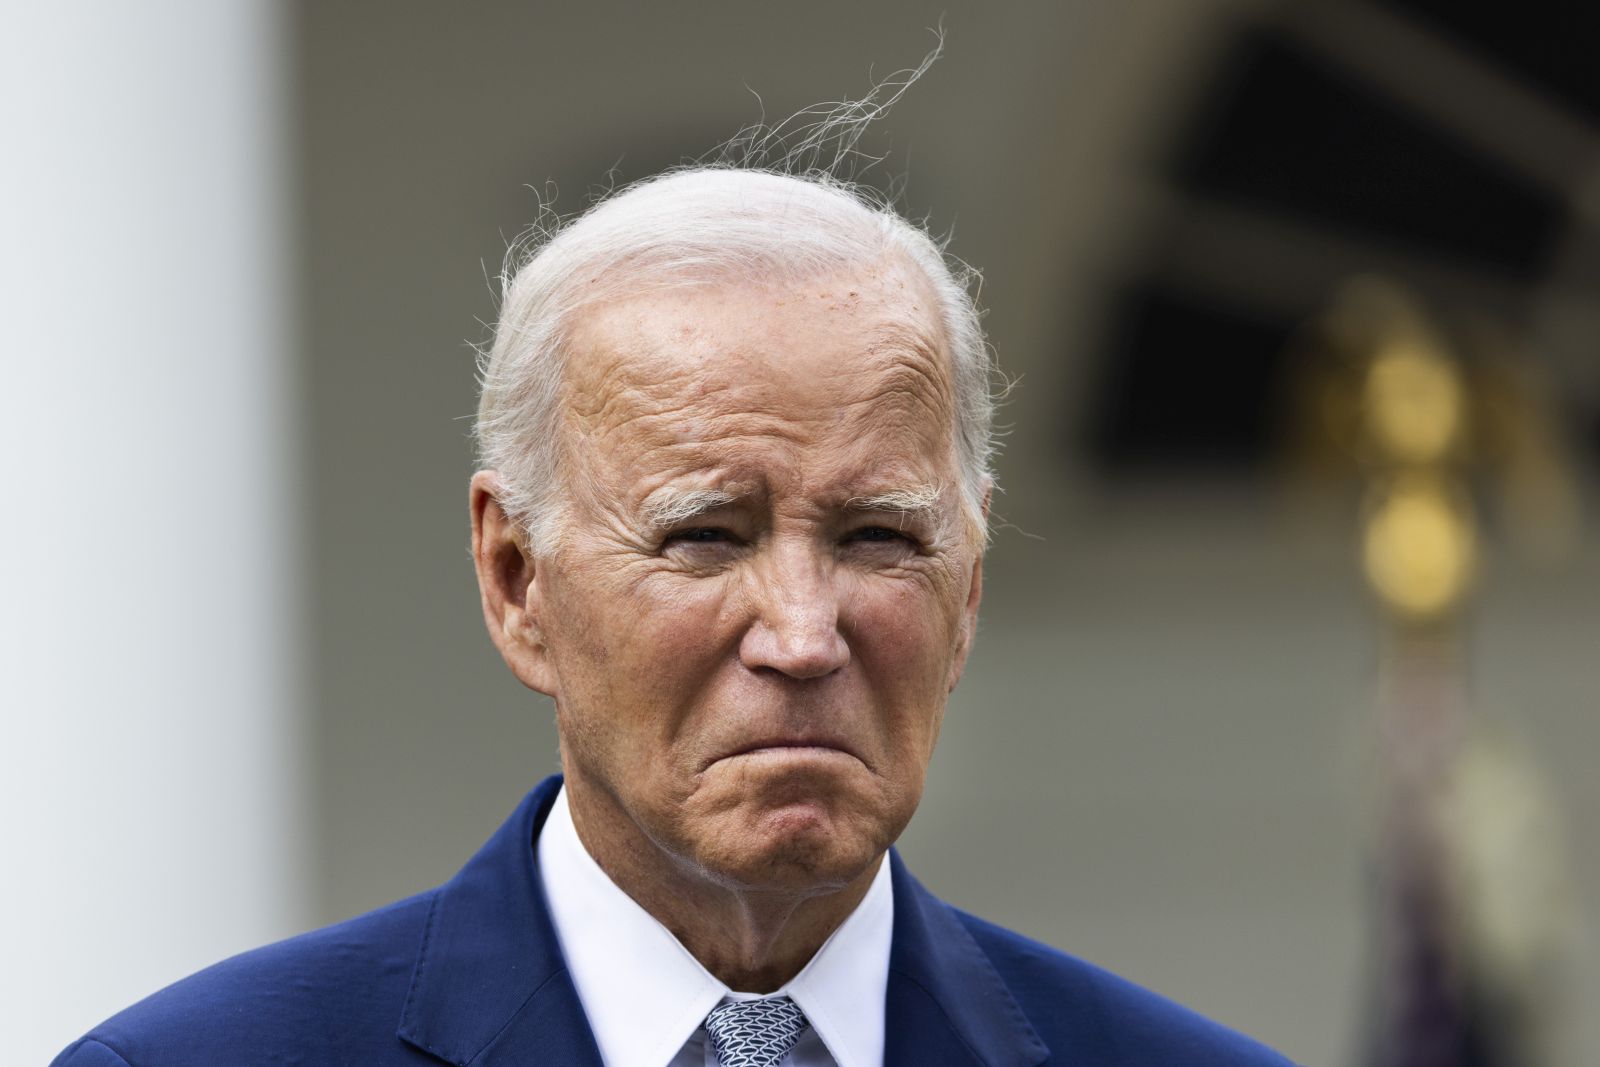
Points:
x=1071 y=1001
x=340 y=984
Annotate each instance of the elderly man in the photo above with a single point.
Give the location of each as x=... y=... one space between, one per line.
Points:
x=736 y=426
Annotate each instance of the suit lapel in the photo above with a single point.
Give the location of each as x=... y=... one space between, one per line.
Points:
x=490 y=986
x=946 y=1003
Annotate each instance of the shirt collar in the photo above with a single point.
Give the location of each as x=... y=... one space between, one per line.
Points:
x=645 y=995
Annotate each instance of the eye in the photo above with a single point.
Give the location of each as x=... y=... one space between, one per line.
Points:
x=700 y=535
x=876 y=535
x=699 y=547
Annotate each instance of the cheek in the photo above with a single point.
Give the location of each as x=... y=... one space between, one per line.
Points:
x=632 y=660
x=904 y=632
x=678 y=631
x=914 y=616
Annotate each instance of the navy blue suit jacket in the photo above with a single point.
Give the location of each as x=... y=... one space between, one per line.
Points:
x=471 y=974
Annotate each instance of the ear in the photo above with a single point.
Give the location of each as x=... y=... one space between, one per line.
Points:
x=969 y=615
x=508 y=583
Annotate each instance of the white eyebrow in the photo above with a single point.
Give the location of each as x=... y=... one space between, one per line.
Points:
x=917 y=500
x=671 y=506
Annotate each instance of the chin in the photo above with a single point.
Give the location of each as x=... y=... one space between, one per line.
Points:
x=790 y=821
x=809 y=845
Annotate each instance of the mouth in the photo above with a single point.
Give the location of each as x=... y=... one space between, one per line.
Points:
x=791 y=748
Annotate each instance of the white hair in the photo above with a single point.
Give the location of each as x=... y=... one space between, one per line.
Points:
x=701 y=225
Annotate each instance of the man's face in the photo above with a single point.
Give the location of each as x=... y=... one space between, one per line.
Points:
x=766 y=589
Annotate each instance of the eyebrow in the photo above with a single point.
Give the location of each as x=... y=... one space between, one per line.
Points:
x=917 y=501
x=671 y=506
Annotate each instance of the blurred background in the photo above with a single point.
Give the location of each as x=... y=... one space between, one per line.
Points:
x=1285 y=697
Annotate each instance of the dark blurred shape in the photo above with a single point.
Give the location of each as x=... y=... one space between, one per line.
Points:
x=1191 y=385
x=1285 y=131
x=1293 y=154
x=1545 y=44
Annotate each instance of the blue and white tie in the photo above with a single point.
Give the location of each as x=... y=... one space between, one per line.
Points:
x=754 y=1033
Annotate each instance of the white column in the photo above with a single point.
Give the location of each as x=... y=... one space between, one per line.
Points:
x=149 y=682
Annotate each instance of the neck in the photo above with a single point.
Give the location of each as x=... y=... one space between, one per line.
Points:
x=751 y=938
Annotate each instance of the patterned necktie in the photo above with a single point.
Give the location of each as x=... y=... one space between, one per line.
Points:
x=754 y=1033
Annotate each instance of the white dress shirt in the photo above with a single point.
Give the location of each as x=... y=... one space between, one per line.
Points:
x=646 y=997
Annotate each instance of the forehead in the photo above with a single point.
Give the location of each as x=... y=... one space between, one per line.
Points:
x=842 y=355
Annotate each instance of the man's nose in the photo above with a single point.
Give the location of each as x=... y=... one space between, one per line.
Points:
x=796 y=626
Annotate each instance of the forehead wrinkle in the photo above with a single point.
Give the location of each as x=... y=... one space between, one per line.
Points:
x=901 y=336
x=626 y=364
x=901 y=405
x=667 y=387
x=652 y=429
x=908 y=365
x=637 y=353
x=686 y=397
x=622 y=392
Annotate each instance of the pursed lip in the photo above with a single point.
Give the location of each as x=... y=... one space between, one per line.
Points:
x=790 y=743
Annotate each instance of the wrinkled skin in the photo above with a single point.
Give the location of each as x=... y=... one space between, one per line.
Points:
x=747 y=695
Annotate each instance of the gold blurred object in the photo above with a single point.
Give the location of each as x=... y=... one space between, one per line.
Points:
x=1419 y=548
x=1414 y=402
x=1476 y=902
x=1382 y=387
x=1419 y=542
